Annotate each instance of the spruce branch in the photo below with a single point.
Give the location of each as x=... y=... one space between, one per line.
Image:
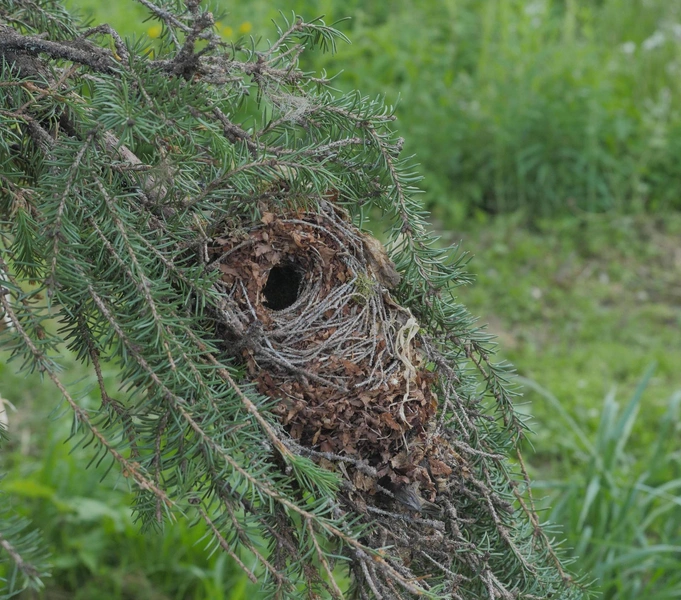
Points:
x=88 y=54
x=45 y=365
x=27 y=569
x=346 y=426
x=21 y=547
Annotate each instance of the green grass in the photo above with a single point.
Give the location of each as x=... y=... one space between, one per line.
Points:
x=579 y=305
x=620 y=507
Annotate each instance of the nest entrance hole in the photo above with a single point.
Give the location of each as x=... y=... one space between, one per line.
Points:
x=283 y=286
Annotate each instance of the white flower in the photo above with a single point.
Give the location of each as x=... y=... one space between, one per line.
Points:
x=4 y=404
x=676 y=30
x=534 y=9
x=654 y=41
x=628 y=47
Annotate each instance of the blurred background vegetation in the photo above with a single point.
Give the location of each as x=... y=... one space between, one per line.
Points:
x=549 y=135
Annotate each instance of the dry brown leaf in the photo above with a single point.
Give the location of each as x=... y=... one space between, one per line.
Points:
x=390 y=421
x=229 y=270
x=261 y=249
x=380 y=261
x=400 y=460
x=363 y=482
x=437 y=467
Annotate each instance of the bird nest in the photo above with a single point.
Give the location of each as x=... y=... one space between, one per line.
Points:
x=317 y=329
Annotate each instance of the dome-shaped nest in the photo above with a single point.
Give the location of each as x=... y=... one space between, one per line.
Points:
x=321 y=333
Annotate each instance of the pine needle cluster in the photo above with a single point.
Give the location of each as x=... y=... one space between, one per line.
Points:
x=122 y=161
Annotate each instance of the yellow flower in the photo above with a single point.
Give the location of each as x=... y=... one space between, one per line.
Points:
x=154 y=31
x=227 y=31
x=245 y=27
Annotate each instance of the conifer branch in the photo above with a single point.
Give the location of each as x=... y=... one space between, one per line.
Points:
x=28 y=569
x=347 y=424
x=130 y=468
x=82 y=53
x=225 y=546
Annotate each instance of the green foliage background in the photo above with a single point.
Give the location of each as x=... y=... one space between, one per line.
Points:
x=549 y=112
x=543 y=105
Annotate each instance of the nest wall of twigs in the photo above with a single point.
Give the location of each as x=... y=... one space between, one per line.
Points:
x=321 y=333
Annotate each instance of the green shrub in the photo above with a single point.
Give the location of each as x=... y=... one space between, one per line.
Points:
x=549 y=105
